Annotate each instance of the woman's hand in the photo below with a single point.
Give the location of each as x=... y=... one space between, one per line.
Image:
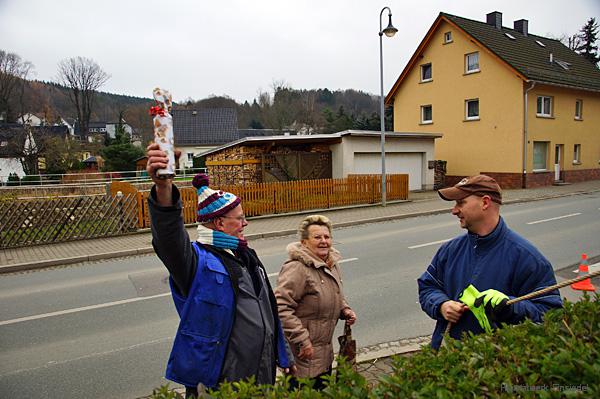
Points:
x=349 y=315
x=290 y=370
x=306 y=352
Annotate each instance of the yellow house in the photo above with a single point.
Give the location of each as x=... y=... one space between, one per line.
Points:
x=522 y=108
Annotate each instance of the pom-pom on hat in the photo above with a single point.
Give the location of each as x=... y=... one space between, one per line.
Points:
x=211 y=203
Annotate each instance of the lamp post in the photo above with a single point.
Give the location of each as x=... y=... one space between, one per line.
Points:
x=389 y=32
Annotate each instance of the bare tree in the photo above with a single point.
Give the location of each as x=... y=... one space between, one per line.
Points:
x=83 y=76
x=13 y=73
x=26 y=143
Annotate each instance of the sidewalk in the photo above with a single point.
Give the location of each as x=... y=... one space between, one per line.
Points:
x=419 y=203
x=374 y=360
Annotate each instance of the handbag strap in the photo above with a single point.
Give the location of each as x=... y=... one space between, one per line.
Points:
x=347 y=330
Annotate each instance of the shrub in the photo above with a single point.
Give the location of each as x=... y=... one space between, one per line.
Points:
x=13 y=179
x=556 y=359
x=31 y=180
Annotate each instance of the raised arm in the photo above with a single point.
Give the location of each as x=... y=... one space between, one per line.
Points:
x=170 y=240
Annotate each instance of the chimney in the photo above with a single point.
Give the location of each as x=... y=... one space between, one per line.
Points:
x=521 y=26
x=495 y=19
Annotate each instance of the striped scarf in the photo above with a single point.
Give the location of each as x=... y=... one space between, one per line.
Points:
x=219 y=239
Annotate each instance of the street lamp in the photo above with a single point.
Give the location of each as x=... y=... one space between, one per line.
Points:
x=389 y=32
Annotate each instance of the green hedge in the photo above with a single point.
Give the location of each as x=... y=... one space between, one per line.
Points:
x=556 y=359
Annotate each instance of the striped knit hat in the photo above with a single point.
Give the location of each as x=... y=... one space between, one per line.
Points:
x=211 y=203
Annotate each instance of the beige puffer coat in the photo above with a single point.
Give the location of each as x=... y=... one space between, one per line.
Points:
x=310 y=301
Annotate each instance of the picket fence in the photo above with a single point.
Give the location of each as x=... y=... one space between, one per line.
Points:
x=125 y=209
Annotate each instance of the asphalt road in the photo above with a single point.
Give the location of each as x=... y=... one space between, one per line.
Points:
x=104 y=329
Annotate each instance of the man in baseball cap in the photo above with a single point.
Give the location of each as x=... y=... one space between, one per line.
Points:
x=479 y=185
x=472 y=277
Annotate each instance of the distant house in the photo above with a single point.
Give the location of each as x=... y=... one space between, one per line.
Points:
x=200 y=130
x=99 y=131
x=30 y=119
x=520 y=107
x=321 y=156
x=197 y=131
x=12 y=134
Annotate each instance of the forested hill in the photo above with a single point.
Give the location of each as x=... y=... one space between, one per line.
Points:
x=44 y=97
x=314 y=111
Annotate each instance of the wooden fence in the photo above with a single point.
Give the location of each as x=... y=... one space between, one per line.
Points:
x=125 y=209
x=48 y=220
x=293 y=196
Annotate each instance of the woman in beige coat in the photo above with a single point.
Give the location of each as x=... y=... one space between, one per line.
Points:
x=310 y=299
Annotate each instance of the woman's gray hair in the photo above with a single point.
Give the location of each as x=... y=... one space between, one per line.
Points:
x=312 y=220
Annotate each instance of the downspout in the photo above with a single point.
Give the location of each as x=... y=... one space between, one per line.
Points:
x=525 y=124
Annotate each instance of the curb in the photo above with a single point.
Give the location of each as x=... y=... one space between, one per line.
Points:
x=19 y=267
x=386 y=349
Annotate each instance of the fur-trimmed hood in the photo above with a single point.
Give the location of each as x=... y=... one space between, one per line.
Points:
x=297 y=251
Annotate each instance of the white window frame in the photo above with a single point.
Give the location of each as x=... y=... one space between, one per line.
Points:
x=448 y=37
x=190 y=157
x=576 y=154
x=473 y=117
x=423 y=120
x=430 y=78
x=579 y=109
x=545 y=166
x=467 y=63
x=544 y=106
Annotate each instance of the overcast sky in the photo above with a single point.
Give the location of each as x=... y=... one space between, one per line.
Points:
x=198 y=48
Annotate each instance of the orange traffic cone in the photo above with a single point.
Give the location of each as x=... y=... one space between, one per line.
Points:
x=583 y=285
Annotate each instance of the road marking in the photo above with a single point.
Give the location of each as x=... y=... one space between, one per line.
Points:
x=342 y=261
x=91 y=355
x=107 y=304
x=81 y=309
x=429 y=243
x=556 y=218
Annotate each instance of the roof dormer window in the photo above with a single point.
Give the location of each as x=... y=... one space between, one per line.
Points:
x=563 y=64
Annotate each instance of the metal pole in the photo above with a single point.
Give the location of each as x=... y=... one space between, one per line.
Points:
x=381 y=109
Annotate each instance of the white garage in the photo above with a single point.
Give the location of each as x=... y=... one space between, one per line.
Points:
x=352 y=152
x=397 y=162
x=409 y=153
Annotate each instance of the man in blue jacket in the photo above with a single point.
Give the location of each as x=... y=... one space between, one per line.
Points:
x=229 y=325
x=491 y=262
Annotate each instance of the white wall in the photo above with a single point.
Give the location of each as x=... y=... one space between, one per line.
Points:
x=358 y=154
x=8 y=166
x=410 y=163
x=195 y=150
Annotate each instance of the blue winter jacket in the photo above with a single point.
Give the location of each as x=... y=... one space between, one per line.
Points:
x=502 y=260
x=206 y=319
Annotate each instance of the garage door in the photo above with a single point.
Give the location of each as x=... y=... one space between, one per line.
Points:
x=400 y=162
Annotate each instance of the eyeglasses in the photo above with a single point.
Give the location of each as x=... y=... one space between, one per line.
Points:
x=240 y=218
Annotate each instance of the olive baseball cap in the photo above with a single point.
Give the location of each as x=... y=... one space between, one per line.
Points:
x=479 y=185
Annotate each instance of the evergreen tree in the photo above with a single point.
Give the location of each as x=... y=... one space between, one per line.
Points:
x=588 y=48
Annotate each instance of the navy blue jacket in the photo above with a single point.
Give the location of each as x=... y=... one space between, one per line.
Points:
x=502 y=260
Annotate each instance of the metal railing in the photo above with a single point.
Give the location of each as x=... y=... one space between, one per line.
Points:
x=91 y=178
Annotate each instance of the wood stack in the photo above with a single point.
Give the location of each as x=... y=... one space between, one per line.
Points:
x=235 y=165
